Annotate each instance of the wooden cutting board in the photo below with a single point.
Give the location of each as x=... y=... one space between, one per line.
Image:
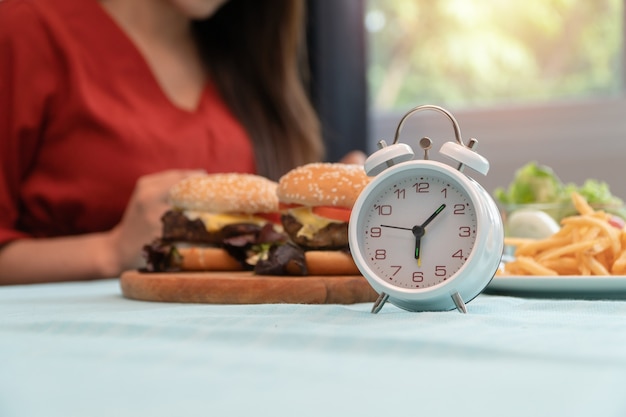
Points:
x=245 y=288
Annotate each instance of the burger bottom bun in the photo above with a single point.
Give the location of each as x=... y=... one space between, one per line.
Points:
x=207 y=259
x=330 y=262
x=318 y=262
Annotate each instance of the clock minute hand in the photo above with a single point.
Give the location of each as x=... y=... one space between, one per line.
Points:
x=418 y=232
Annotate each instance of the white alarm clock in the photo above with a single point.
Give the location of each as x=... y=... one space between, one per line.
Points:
x=426 y=236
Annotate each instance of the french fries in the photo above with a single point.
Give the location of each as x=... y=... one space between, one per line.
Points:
x=586 y=244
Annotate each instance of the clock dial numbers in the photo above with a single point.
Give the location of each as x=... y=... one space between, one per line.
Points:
x=409 y=252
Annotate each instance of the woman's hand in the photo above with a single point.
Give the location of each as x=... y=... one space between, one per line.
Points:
x=354 y=157
x=141 y=222
x=94 y=255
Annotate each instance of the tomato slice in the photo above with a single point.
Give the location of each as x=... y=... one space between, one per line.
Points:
x=271 y=217
x=341 y=214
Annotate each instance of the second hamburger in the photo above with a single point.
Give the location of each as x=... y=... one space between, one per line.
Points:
x=316 y=201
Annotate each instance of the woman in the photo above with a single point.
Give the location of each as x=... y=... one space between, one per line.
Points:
x=110 y=103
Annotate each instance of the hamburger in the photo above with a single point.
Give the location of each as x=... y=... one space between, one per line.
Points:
x=316 y=201
x=218 y=222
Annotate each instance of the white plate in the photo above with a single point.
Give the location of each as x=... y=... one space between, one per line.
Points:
x=570 y=286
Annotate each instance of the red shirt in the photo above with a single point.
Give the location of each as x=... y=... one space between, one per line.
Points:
x=82 y=117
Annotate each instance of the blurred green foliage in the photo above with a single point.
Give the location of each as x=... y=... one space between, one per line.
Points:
x=485 y=52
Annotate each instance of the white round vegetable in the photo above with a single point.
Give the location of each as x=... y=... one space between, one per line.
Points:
x=534 y=224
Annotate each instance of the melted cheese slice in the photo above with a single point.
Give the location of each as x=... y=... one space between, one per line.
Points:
x=311 y=223
x=215 y=222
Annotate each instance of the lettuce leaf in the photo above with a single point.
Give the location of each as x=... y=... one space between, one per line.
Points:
x=533 y=183
x=538 y=184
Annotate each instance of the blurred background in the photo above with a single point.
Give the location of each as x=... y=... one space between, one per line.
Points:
x=539 y=80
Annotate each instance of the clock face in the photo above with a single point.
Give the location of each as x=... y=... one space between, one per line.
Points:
x=417 y=228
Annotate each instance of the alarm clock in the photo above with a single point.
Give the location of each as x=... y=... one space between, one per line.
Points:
x=426 y=236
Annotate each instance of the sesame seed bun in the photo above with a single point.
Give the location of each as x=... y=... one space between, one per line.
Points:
x=226 y=193
x=323 y=184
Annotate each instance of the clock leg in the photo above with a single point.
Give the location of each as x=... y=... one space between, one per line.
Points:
x=459 y=303
x=380 y=302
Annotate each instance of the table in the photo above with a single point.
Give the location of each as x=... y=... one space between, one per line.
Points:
x=81 y=349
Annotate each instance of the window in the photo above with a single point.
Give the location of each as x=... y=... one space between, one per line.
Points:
x=536 y=80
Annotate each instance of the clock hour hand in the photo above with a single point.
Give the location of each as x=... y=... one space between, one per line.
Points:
x=418 y=232
x=432 y=216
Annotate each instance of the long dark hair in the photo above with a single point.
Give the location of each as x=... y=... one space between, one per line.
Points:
x=253 y=50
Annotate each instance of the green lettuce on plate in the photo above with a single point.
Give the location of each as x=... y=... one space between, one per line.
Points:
x=539 y=185
x=532 y=184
